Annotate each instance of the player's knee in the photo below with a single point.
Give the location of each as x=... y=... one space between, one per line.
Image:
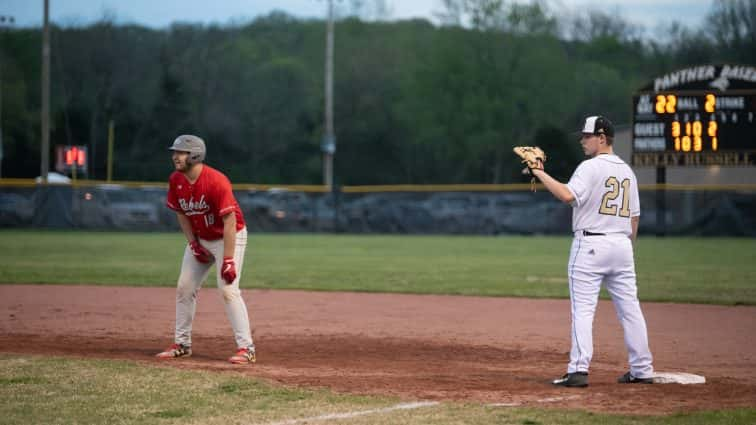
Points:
x=185 y=291
x=625 y=298
x=230 y=293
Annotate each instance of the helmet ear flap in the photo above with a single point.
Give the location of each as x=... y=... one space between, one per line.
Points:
x=192 y=158
x=196 y=157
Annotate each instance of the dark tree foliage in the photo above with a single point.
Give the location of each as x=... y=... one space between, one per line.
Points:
x=414 y=102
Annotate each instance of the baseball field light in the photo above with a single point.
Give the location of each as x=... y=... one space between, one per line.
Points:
x=6 y=21
x=328 y=144
x=45 y=111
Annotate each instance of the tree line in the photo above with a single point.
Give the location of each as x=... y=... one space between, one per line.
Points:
x=415 y=102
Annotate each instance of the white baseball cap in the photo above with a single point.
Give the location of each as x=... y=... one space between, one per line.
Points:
x=598 y=125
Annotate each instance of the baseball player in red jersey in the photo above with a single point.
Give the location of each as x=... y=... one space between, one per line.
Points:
x=603 y=192
x=214 y=227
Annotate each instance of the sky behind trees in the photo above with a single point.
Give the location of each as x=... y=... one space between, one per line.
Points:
x=28 y=13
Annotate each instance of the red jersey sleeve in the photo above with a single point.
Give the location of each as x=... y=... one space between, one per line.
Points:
x=171 y=200
x=226 y=201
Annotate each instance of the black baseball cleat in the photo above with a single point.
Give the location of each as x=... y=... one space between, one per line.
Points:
x=628 y=378
x=573 y=380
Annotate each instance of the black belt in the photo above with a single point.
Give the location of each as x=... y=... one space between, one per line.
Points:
x=587 y=233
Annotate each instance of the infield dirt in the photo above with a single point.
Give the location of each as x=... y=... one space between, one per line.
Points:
x=417 y=347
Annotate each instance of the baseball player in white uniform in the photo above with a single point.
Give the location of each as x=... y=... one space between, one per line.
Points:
x=603 y=192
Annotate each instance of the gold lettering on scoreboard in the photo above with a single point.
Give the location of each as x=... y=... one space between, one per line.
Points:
x=702 y=159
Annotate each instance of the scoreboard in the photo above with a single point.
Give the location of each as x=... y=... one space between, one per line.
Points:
x=699 y=116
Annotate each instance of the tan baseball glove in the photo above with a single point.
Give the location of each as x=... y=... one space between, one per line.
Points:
x=533 y=157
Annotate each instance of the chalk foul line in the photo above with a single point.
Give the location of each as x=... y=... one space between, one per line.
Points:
x=348 y=415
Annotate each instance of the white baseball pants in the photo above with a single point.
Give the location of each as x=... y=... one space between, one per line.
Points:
x=606 y=259
x=193 y=275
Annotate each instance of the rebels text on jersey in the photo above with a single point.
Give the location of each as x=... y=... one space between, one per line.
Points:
x=205 y=202
x=606 y=195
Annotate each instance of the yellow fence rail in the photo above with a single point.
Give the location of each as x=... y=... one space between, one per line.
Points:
x=516 y=187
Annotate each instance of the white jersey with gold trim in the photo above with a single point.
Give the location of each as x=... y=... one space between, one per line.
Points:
x=607 y=207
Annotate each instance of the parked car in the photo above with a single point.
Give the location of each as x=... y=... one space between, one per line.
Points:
x=386 y=213
x=15 y=209
x=458 y=213
x=276 y=209
x=118 y=206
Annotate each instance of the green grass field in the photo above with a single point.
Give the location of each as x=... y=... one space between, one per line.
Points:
x=46 y=390
x=696 y=270
x=60 y=390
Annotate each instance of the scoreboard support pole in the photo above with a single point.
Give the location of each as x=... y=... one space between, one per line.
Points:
x=661 y=201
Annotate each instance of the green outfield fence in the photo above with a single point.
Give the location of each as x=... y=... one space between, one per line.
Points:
x=701 y=210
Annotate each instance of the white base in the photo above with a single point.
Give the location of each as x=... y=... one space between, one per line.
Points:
x=678 y=378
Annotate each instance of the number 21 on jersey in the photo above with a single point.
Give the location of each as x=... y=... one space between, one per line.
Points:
x=615 y=187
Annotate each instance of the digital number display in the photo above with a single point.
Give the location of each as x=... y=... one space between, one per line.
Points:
x=705 y=110
x=694 y=123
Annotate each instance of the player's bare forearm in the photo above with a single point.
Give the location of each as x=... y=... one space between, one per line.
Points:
x=558 y=189
x=634 y=224
x=229 y=234
x=186 y=226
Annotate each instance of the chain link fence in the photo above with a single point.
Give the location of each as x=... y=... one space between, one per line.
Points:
x=726 y=211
